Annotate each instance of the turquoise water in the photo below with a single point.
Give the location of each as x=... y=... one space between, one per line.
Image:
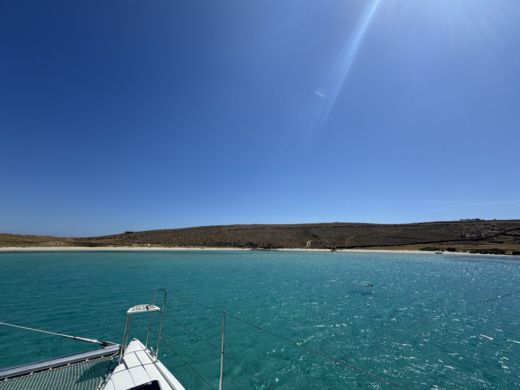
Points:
x=422 y=325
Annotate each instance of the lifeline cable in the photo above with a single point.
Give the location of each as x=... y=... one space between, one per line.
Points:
x=192 y=332
x=295 y=343
x=499 y=297
x=188 y=364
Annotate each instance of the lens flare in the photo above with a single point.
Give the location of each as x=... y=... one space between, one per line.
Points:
x=340 y=69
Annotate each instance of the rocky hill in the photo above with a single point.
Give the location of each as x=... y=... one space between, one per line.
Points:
x=482 y=236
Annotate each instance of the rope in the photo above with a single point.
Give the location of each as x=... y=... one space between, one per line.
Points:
x=84 y=339
x=295 y=343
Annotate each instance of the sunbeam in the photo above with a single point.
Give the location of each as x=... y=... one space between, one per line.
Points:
x=331 y=87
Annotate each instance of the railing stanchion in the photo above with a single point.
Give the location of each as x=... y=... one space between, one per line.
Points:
x=222 y=350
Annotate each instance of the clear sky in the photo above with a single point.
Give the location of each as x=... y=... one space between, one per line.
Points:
x=132 y=115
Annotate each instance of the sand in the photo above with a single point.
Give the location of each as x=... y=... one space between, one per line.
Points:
x=173 y=249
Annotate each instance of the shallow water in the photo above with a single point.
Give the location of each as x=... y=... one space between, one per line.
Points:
x=423 y=323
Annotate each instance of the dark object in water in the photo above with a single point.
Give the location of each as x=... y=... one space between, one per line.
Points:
x=362 y=288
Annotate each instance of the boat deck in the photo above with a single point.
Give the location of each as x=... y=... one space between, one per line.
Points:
x=139 y=368
x=85 y=371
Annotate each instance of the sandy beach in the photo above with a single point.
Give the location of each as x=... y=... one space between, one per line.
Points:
x=181 y=249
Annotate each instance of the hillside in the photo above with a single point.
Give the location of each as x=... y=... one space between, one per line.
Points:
x=482 y=236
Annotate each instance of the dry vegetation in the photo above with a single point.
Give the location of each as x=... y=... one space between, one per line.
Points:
x=478 y=236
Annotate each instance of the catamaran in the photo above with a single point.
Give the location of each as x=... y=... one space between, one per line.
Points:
x=131 y=365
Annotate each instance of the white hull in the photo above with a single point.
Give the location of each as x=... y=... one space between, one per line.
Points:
x=139 y=367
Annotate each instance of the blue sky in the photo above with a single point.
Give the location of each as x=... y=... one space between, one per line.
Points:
x=133 y=115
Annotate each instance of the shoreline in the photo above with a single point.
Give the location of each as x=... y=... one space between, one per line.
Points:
x=195 y=249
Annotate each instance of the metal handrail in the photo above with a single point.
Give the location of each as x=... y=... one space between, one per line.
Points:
x=128 y=324
x=163 y=311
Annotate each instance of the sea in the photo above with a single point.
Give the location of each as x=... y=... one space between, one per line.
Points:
x=292 y=320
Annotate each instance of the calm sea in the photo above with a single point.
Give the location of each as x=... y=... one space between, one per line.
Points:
x=417 y=321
